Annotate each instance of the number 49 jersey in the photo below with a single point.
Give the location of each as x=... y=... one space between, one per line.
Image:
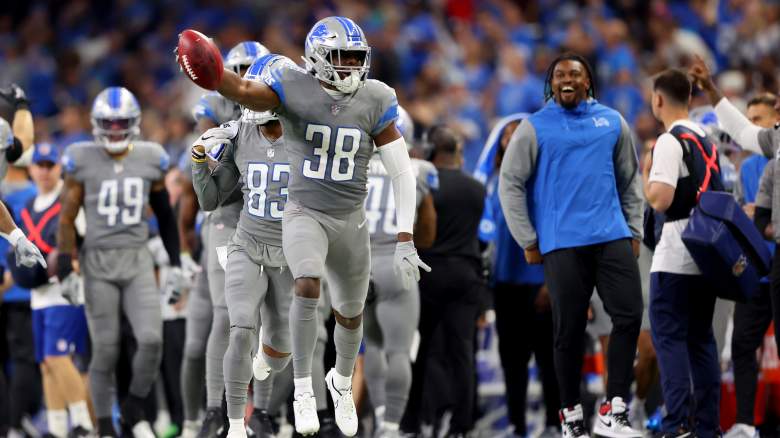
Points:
x=329 y=140
x=116 y=192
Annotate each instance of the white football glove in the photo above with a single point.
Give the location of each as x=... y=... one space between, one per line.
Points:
x=407 y=263
x=70 y=289
x=27 y=254
x=174 y=284
x=214 y=141
x=189 y=267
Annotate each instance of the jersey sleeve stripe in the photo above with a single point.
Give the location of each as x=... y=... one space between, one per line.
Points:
x=390 y=115
x=275 y=82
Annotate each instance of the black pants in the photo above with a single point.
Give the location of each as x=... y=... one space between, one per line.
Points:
x=571 y=275
x=449 y=302
x=522 y=330
x=24 y=381
x=173 y=354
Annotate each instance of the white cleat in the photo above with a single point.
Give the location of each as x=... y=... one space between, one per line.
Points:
x=190 y=429
x=741 y=430
x=305 y=410
x=143 y=429
x=237 y=432
x=343 y=406
x=612 y=421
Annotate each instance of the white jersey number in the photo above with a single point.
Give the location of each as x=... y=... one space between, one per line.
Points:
x=132 y=201
x=380 y=206
x=342 y=167
x=257 y=178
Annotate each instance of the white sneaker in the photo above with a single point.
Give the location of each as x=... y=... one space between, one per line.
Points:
x=343 y=406
x=190 y=429
x=637 y=414
x=612 y=421
x=305 y=410
x=573 y=422
x=143 y=429
x=237 y=432
x=741 y=430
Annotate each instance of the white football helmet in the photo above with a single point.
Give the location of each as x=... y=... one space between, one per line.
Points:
x=243 y=54
x=116 y=118
x=325 y=47
x=259 y=69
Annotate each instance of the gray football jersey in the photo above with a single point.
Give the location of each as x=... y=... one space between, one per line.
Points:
x=329 y=140
x=216 y=108
x=116 y=192
x=380 y=203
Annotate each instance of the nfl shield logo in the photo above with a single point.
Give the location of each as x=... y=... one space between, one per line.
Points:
x=334 y=109
x=270 y=153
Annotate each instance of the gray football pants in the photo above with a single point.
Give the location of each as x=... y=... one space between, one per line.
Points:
x=218 y=236
x=391 y=318
x=314 y=241
x=258 y=289
x=115 y=281
x=193 y=367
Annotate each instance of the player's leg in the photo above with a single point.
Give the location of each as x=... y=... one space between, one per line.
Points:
x=375 y=367
x=349 y=266
x=220 y=323
x=398 y=314
x=103 y=316
x=305 y=247
x=193 y=368
x=141 y=304
x=246 y=286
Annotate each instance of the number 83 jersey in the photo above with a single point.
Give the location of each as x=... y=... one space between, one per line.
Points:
x=329 y=140
x=116 y=192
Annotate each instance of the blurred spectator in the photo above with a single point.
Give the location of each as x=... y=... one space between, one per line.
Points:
x=518 y=90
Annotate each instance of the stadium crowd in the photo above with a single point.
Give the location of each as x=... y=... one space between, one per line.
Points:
x=467 y=72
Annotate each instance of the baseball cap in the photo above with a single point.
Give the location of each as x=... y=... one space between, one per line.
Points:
x=45 y=152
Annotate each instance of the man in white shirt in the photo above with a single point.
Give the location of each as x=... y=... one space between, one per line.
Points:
x=683 y=164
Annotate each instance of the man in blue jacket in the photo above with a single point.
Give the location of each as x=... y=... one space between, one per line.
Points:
x=570 y=192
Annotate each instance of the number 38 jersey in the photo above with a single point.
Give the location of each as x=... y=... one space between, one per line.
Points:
x=329 y=140
x=264 y=174
x=116 y=192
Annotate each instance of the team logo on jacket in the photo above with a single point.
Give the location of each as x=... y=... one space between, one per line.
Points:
x=599 y=122
x=740 y=266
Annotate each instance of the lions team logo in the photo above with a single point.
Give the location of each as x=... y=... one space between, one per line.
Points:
x=740 y=266
x=334 y=109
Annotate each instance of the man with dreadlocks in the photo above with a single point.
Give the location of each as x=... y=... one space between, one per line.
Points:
x=570 y=190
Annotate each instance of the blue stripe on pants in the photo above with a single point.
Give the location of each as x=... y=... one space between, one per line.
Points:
x=681 y=309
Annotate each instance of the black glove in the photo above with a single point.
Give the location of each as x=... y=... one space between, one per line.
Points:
x=64 y=265
x=15 y=96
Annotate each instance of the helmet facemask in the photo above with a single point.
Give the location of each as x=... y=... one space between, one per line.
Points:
x=329 y=67
x=116 y=134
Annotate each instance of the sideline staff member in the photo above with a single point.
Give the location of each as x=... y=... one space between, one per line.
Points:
x=569 y=189
x=681 y=300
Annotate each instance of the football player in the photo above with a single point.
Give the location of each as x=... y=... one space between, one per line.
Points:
x=393 y=309
x=115 y=178
x=207 y=318
x=258 y=283
x=332 y=117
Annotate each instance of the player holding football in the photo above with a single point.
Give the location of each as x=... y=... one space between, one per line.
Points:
x=115 y=178
x=332 y=116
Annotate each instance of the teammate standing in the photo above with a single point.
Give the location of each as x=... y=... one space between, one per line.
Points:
x=332 y=116
x=393 y=309
x=115 y=177
x=207 y=317
x=583 y=216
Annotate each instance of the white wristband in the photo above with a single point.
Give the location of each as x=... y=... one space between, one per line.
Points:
x=13 y=237
x=395 y=158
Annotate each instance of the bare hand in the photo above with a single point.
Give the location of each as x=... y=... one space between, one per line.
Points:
x=533 y=256
x=700 y=73
x=750 y=210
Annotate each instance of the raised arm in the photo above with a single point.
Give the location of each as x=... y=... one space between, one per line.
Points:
x=250 y=94
x=628 y=181
x=71 y=198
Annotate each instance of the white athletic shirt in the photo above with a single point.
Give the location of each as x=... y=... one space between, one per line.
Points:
x=671 y=255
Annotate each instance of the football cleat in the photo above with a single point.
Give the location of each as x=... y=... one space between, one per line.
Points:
x=343 y=406
x=261 y=425
x=612 y=421
x=305 y=410
x=572 y=422
x=741 y=430
x=214 y=425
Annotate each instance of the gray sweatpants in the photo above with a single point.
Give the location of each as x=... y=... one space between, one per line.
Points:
x=199 y=315
x=314 y=241
x=391 y=317
x=259 y=287
x=218 y=236
x=121 y=280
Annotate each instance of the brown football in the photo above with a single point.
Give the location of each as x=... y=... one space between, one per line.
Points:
x=199 y=59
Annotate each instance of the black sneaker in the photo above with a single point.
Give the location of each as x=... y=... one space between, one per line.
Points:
x=682 y=432
x=328 y=427
x=214 y=425
x=78 y=432
x=260 y=424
